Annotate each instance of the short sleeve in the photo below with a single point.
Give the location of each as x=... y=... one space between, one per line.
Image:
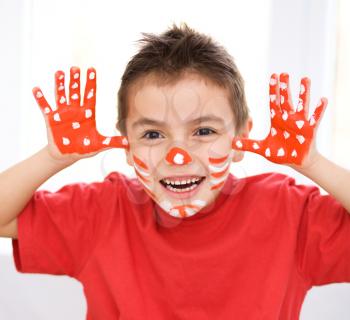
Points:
x=323 y=237
x=57 y=231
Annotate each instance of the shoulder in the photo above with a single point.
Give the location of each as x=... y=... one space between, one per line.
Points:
x=277 y=184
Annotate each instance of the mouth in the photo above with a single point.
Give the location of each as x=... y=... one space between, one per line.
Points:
x=181 y=184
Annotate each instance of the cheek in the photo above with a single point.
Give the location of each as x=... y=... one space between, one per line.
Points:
x=150 y=158
x=216 y=151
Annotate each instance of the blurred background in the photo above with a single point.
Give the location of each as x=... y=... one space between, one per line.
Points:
x=302 y=37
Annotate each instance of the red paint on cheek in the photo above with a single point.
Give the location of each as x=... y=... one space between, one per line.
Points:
x=178 y=156
x=140 y=163
x=217 y=160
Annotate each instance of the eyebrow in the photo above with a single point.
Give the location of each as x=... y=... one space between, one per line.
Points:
x=149 y=121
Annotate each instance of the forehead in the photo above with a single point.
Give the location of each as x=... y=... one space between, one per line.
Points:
x=176 y=102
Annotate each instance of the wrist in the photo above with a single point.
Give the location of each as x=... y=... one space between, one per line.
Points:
x=57 y=163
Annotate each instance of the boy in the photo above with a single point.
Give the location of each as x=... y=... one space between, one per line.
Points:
x=185 y=239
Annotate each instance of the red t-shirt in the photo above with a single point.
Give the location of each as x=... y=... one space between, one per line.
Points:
x=252 y=254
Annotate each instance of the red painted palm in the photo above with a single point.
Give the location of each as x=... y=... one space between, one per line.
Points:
x=292 y=133
x=72 y=124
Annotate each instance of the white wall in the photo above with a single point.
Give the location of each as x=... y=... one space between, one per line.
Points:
x=38 y=37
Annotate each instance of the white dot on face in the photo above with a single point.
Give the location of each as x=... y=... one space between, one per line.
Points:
x=39 y=95
x=76 y=75
x=272 y=97
x=88 y=113
x=107 y=141
x=61 y=87
x=74 y=85
x=239 y=144
x=90 y=94
x=294 y=153
x=75 y=125
x=62 y=100
x=282 y=99
x=92 y=75
x=56 y=117
x=65 y=141
x=75 y=96
x=302 y=89
x=86 y=141
x=299 y=123
x=47 y=110
x=61 y=77
x=273 y=131
x=267 y=152
x=178 y=158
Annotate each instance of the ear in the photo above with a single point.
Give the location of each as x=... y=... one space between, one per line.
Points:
x=244 y=133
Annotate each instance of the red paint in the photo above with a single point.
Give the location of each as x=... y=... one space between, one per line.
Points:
x=178 y=156
x=140 y=163
x=217 y=160
x=292 y=132
x=73 y=123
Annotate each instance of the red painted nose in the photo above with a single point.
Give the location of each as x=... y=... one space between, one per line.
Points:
x=178 y=156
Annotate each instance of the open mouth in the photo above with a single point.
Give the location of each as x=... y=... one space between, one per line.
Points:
x=182 y=185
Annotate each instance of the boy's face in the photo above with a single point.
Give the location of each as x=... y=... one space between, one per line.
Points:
x=180 y=139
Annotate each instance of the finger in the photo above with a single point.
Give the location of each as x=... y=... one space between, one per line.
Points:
x=90 y=89
x=316 y=117
x=245 y=144
x=274 y=96
x=285 y=95
x=112 y=142
x=41 y=101
x=74 y=87
x=304 y=98
x=60 y=92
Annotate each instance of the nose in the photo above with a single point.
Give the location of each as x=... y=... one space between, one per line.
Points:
x=178 y=156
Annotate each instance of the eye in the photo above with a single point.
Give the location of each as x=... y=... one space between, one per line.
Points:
x=151 y=135
x=205 y=131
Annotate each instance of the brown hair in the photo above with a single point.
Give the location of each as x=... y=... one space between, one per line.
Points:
x=175 y=51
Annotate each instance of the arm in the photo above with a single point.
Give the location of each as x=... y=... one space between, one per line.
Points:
x=72 y=135
x=291 y=140
x=18 y=184
x=331 y=177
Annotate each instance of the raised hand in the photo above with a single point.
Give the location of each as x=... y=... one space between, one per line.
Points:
x=291 y=139
x=72 y=124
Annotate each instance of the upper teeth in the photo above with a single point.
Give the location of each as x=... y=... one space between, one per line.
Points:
x=167 y=181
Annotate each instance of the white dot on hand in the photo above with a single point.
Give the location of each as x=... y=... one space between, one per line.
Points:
x=65 y=141
x=56 y=117
x=75 y=125
x=88 y=113
x=239 y=144
x=86 y=141
x=90 y=94
x=106 y=141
